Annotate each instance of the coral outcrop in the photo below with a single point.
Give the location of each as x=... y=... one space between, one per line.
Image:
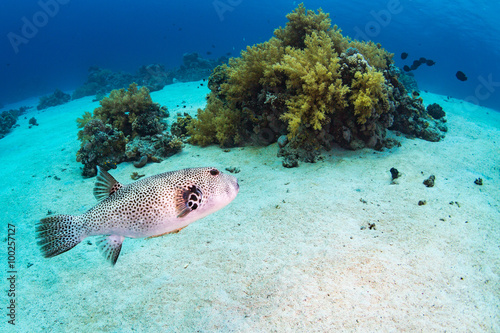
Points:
x=8 y=119
x=57 y=98
x=313 y=85
x=153 y=76
x=195 y=68
x=127 y=126
x=102 y=81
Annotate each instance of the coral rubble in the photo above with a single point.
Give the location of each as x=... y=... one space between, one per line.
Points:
x=127 y=126
x=315 y=86
x=32 y=122
x=429 y=182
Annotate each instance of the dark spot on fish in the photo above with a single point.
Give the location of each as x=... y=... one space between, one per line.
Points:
x=461 y=76
x=404 y=55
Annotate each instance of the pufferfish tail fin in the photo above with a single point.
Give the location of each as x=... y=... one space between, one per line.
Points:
x=58 y=234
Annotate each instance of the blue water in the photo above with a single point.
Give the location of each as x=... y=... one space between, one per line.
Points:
x=67 y=37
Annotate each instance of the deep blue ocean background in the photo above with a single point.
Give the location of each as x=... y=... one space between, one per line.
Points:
x=123 y=35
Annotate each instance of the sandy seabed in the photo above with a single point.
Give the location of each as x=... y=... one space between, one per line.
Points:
x=292 y=253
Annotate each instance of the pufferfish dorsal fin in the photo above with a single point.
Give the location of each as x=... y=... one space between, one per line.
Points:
x=105 y=184
x=187 y=199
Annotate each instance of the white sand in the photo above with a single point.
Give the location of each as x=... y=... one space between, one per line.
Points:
x=289 y=254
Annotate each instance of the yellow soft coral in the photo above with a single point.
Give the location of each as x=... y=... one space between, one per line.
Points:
x=295 y=83
x=302 y=23
x=368 y=89
x=252 y=70
x=216 y=123
x=376 y=56
x=314 y=81
x=122 y=107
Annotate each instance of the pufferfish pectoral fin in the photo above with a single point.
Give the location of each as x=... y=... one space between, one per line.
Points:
x=110 y=247
x=187 y=199
x=105 y=184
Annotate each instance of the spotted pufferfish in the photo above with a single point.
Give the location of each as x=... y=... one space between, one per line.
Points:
x=150 y=207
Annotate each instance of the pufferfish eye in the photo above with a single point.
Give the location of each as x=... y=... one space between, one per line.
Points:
x=214 y=172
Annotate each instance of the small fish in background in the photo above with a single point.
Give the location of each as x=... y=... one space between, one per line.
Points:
x=416 y=63
x=404 y=55
x=150 y=207
x=461 y=76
